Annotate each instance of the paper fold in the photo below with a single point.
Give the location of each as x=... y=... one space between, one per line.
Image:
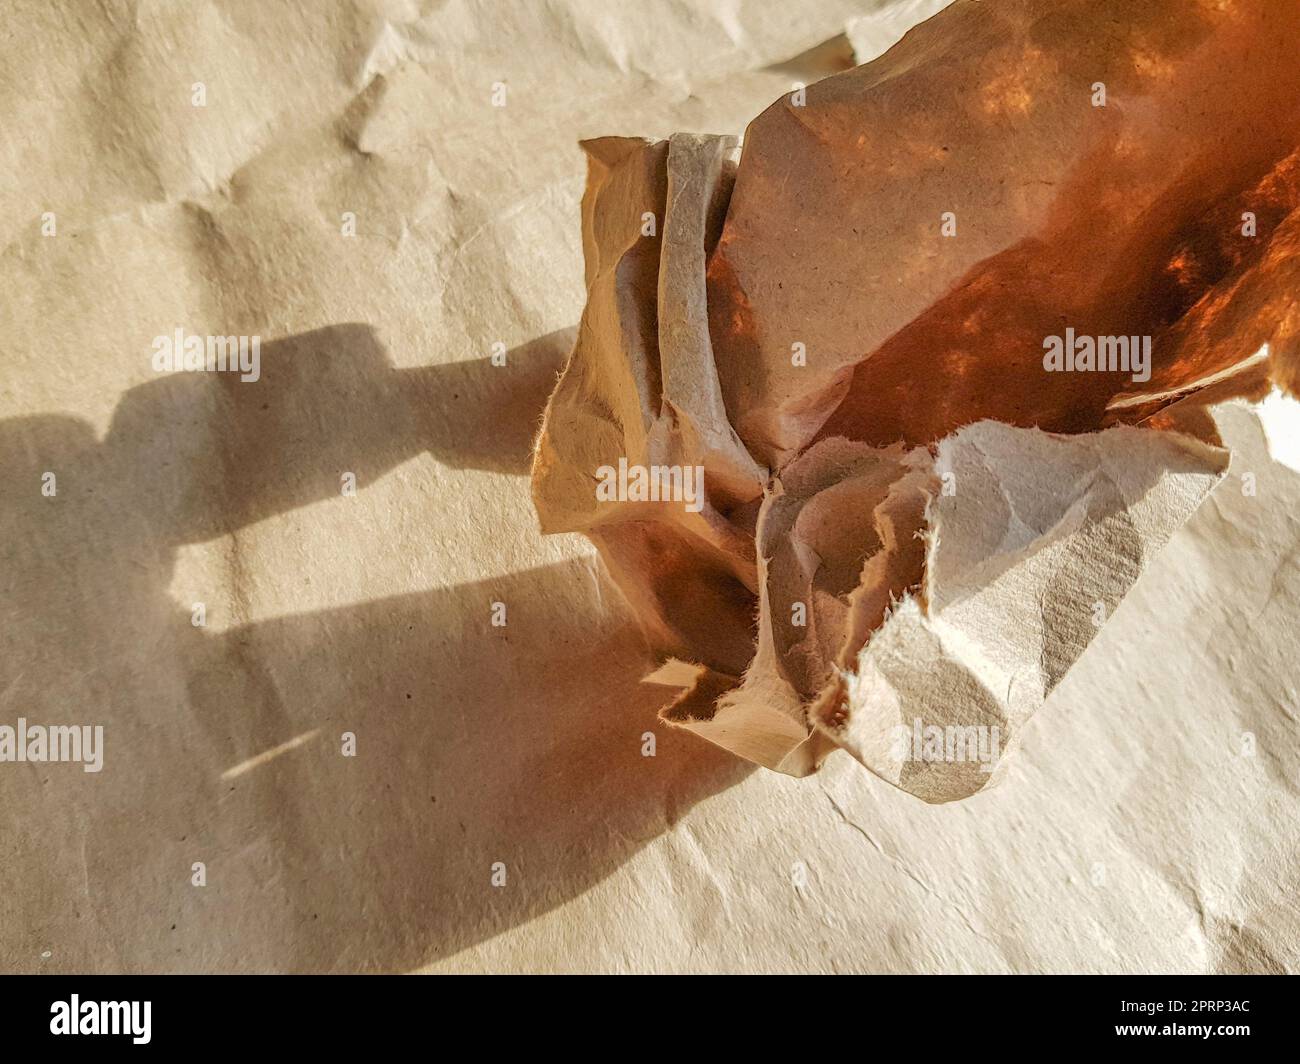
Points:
x=913 y=521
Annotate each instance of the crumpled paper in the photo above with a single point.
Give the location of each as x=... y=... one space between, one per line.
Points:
x=1131 y=831
x=912 y=523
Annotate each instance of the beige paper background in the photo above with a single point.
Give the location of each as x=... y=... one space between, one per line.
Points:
x=1129 y=833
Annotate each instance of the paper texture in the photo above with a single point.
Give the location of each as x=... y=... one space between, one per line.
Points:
x=1046 y=149
x=1129 y=831
x=693 y=355
x=1015 y=581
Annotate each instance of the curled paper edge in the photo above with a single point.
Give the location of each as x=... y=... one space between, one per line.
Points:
x=1017 y=582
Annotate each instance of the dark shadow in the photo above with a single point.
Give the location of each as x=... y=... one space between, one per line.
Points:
x=519 y=744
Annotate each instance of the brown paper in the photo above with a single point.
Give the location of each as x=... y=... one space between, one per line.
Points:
x=1144 y=824
x=870 y=354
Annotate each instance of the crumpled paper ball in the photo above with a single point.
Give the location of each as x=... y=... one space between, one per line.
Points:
x=850 y=421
